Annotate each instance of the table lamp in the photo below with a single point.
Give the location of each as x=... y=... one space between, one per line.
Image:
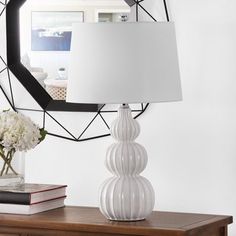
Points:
x=124 y=63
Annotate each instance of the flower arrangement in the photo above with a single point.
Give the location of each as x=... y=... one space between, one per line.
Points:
x=17 y=133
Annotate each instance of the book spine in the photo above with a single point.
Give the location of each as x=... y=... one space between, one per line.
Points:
x=15 y=198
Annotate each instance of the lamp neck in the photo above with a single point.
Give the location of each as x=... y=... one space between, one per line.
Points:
x=124 y=106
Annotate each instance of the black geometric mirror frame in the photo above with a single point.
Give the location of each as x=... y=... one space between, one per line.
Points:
x=23 y=75
x=44 y=100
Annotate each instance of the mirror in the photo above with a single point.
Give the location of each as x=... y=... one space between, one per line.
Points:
x=35 y=71
x=40 y=59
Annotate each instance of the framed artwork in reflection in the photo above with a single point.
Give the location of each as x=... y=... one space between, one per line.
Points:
x=52 y=30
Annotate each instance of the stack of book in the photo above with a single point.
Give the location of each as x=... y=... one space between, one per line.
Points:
x=29 y=199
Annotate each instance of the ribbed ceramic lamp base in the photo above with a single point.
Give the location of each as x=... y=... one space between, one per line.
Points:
x=127 y=196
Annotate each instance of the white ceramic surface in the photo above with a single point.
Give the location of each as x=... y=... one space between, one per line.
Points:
x=127 y=196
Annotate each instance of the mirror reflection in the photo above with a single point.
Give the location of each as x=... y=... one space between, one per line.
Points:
x=46 y=29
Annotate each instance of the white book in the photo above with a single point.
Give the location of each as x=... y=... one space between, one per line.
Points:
x=33 y=208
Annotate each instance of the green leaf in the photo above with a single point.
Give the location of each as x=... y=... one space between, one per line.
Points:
x=1 y=148
x=43 y=134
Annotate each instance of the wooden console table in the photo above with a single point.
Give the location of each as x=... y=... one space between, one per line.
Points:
x=84 y=221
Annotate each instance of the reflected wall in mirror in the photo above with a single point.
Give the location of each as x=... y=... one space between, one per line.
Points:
x=45 y=36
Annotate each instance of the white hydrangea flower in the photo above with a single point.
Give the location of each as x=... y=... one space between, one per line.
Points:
x=18 y=132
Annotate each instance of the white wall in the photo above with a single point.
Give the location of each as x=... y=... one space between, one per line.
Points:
x=191 y=145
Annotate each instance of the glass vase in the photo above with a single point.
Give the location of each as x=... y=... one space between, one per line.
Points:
x=12 y=168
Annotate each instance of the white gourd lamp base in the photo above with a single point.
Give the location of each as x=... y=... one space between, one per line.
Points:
x=127 y=196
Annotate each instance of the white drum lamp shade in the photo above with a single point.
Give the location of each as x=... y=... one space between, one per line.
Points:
x=124 y=63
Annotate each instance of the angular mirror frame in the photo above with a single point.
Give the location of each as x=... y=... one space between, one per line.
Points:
x=40 y=95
